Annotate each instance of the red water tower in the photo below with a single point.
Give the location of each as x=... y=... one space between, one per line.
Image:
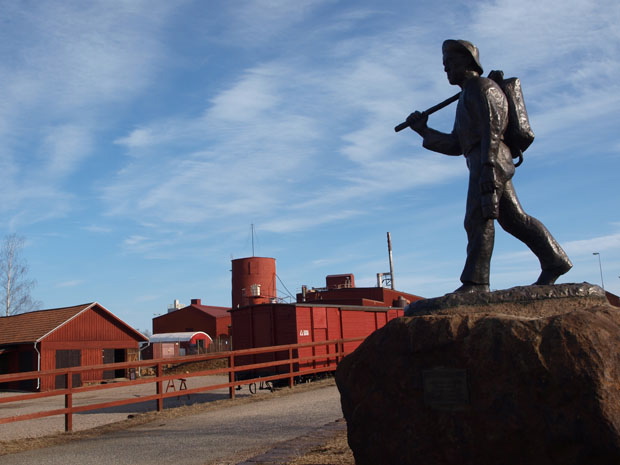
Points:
x=253 y=281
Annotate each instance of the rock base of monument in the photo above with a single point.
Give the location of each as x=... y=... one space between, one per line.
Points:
x=524 y=376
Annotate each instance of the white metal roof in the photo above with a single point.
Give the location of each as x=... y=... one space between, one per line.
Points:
x=176 y=337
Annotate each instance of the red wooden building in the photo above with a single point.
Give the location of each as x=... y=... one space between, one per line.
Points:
x=82 y=335
x=215 y=321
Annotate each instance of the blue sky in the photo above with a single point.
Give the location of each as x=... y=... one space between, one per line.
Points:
x=140 y=140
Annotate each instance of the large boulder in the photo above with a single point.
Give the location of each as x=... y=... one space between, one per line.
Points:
x=477 y=382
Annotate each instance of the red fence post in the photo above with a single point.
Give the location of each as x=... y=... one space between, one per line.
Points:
x=291 y=381
x=231 y=375
x=159 y=388
x=69 y=402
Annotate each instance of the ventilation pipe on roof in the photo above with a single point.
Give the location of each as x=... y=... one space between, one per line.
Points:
x=143 y=347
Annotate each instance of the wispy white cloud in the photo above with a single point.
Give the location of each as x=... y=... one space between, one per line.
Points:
x=565 y=55
x=539 y=34
x=291 y=223
x=147 y=246
x=140 y=137
x=97 y=229
x=254 y=22
x=253 y=96
x=74 y=56
x=64 y=65
x=63 y=149
x=596 y=244
x=246 y=149
x=576 y=248
x=280 y=123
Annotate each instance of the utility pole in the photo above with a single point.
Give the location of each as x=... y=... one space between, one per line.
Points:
x=389 y=240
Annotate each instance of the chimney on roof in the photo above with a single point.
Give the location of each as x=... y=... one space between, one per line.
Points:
x=196 y=302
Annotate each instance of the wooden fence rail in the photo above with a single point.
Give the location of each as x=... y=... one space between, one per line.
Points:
x=285 y=368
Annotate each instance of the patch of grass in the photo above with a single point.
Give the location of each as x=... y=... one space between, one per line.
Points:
x=334 y=452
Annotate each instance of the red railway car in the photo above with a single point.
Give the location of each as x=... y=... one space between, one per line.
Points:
x=280 y=324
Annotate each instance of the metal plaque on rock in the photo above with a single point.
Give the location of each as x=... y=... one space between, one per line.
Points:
x=446 y=388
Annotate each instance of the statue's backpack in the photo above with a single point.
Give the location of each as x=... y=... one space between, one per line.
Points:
x=519 y=134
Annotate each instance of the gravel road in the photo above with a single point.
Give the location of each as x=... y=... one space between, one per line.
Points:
x=215 y=437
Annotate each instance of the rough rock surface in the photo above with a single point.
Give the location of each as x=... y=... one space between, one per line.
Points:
x=480 y=384
x=533 y=301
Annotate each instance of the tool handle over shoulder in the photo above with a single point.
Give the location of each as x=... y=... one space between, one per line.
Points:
x=430 y=111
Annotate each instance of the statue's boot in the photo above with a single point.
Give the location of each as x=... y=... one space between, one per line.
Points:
x=468 y=288
x=550 y=275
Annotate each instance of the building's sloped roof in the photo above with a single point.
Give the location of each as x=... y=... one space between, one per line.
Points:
x=196 y=305
x=217 y=312
x=33 y=326
x=176 y=337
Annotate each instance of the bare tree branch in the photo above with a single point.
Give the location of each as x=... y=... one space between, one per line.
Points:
x=15 y=285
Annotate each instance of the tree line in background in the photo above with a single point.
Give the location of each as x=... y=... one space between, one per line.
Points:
x=15 y=284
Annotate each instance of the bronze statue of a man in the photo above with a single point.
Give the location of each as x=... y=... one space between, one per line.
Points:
x=479 y=129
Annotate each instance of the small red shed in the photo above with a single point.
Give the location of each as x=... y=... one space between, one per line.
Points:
x=81 y=335
x=166 y=345
x=215 y=321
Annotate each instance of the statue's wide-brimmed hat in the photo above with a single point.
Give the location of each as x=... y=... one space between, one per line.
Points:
x=463 y=46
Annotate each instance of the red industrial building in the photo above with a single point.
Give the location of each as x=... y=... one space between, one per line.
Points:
x=81 y=335
x=340 y=289
x=215 y=321
x=334 y=312
x=613 y=299
x=338 y=311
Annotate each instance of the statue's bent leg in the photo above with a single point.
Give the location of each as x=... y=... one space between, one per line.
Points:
x=512 y=218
